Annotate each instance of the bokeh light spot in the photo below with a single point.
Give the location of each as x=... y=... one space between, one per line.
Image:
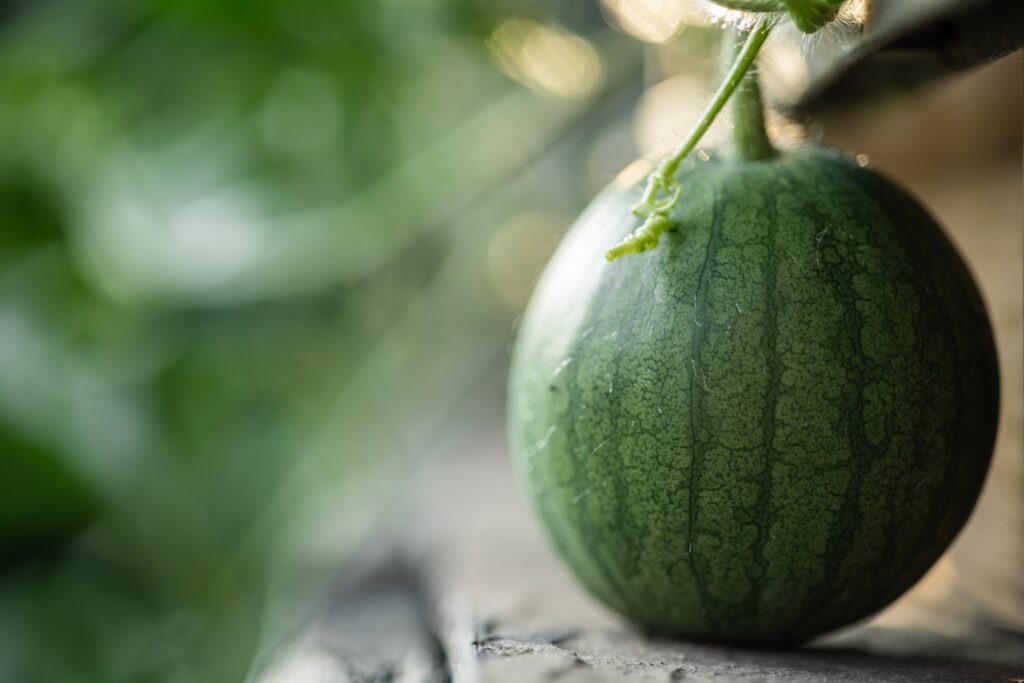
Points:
x=546 y=58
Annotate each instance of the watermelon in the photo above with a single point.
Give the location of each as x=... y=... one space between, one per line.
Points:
x=771 y=425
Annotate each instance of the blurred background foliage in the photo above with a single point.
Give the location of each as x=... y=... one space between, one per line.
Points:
x=253 y=258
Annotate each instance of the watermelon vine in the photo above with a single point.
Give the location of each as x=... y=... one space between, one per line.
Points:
x=662 y=192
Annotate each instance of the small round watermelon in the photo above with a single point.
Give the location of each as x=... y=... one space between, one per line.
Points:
x=771 y=425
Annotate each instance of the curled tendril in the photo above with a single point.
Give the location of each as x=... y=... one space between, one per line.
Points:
x=643 y=238
x=666 y=204
x=663 y=191
x=659 y=183
x=659 y=198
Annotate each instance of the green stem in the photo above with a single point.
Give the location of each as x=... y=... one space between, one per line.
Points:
x=750 y=139
x=744 y=60
x=663 y=191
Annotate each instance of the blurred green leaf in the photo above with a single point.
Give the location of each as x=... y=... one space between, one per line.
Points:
x=246 y=275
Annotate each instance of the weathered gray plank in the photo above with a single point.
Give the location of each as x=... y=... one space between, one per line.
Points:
x=372 y=630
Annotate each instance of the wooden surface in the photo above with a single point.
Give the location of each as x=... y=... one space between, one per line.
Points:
x=469 y=591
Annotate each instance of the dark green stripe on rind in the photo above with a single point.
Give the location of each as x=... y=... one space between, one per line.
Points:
x=771 y=425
